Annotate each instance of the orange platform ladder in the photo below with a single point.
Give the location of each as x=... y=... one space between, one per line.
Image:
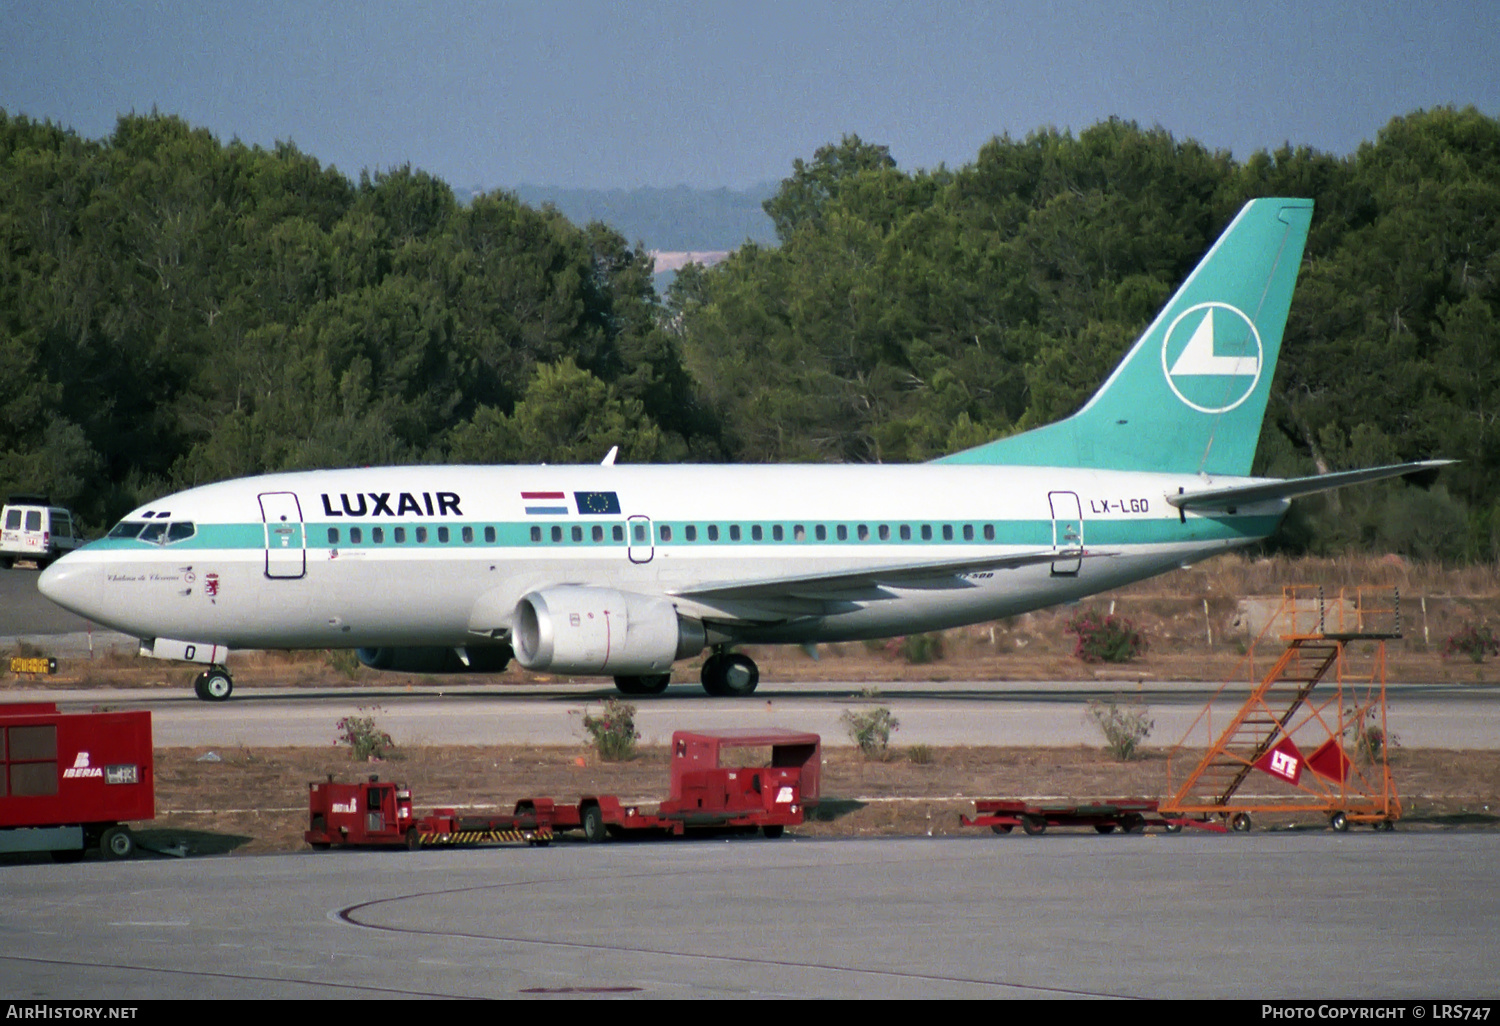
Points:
x=1323 y=752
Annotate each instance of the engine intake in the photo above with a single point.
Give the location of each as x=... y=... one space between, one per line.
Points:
x=603 y=631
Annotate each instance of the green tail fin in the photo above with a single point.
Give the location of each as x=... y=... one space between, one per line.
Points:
x=1191 y=393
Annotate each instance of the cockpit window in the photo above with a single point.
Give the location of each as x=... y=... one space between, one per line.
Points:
x=127 y=529
x=154 y=533
x=180 y=530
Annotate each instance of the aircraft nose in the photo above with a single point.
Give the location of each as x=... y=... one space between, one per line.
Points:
x=72 y=585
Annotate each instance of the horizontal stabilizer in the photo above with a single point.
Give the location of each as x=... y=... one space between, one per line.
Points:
x=1290 y=488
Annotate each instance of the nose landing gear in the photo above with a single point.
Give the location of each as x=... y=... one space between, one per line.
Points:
x=214 y=684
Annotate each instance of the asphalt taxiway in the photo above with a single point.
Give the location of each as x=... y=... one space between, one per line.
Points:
x=1260 y=916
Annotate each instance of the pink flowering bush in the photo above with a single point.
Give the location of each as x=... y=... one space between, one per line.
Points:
x=1105 y=639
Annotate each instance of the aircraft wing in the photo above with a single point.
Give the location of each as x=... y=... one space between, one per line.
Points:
x=1290 y=488
x=870 y=583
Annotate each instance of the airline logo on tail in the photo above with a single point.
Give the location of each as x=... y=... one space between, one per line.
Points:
x=1212 y=357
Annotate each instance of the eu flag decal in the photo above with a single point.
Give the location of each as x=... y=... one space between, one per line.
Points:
x=597 y=502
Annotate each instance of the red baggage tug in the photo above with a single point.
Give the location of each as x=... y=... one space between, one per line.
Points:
x=71 y=781
x=705 y=795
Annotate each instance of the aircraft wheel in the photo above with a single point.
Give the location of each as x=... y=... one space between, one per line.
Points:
x=713 y=675
x=117 y=843
x=730 y=675
x=1033 y=825
x=593 y=825
x=650 y=684
x=214 y=685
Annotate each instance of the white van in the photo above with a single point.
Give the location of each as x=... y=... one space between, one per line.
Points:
x=32 y=528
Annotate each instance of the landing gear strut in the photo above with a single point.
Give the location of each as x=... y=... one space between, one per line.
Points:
x=730 y=675
x=214 y=684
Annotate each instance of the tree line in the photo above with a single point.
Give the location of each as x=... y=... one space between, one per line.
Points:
x=176 y=310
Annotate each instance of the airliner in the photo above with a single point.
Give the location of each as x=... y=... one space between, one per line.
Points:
x=622 y=571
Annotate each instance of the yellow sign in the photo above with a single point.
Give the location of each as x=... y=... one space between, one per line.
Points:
x=40 y=664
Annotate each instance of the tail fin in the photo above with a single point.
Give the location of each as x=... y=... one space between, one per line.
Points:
x=1191 y=393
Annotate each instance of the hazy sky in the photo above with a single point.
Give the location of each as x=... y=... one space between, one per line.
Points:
x=709 y=93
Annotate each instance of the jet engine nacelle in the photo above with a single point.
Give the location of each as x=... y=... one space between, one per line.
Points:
x=436 y=659
x=603 y=631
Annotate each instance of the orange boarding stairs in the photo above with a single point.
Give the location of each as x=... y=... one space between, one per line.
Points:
x=1323 y=752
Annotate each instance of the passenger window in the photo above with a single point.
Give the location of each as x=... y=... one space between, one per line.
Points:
x=906 y=532
x=421 y=536
x=734 y=532
x=690 y=532
x=536 y=534
x=713 y=532
x=755 y=532
x=333 y=535
x=843 y=532
x=821 y=532
x=356 y=536
x=619 y=533
x=666 y=532
x=968 y=532
x=927 y=532
x=776 y=532
x=398 y=535
x=864 y=532
x=443 y=535
x=885 y=532
x=577 y=533
x=989 y=532
x=557 y=534
x=489 y=536
x=799 y=533
x=377 y=535
x=598 y=532
x=468 y=535
x=640 y=533
x=947 y=532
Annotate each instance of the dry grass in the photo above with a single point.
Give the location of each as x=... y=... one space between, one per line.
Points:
x=255 y=800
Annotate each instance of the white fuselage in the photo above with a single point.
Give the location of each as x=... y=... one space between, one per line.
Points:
x=313 y=559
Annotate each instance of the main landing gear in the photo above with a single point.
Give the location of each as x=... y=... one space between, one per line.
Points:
x=725 y=675
x=651 y=684
x=730 y=675
x=214 y=684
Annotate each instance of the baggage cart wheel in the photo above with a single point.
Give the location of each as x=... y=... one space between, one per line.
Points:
x=1033 y=825
x=1173 y=826
x=593 y=825
x=1000 y=828
x=413 y=840
x=117 y=843
x=1339 y=822
x=1241 y=824
x=772 y=830
x=1104 y=828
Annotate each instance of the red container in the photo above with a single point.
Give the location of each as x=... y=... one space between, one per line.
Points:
x=77 y=770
